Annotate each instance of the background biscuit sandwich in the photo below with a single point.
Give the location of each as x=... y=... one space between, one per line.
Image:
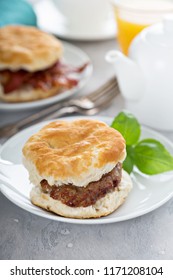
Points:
x=30 y=66
x=76 y=168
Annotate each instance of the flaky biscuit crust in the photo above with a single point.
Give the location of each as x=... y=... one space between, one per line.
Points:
x=76 y=152
x=23 y=47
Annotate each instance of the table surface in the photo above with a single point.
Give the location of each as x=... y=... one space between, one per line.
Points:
x=26 y=236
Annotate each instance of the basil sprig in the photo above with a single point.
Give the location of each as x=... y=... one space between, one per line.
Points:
x=149 y=155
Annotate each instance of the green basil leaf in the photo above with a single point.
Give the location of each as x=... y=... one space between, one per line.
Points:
x=128 y=163
x=151 y=157
x=128 y=126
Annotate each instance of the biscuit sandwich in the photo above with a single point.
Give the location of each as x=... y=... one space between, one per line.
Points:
x=76 y=168
x=31 y=66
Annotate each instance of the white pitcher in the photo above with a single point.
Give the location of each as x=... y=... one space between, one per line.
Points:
x=146 y=75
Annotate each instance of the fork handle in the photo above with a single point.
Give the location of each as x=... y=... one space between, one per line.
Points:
x=34 y=117
x=10 y=130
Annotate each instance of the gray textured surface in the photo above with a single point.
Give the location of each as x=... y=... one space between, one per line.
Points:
x=26 y=236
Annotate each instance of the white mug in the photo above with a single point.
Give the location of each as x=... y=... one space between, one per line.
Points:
x=82 y=15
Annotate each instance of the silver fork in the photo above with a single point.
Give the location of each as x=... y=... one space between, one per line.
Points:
x=87 y=105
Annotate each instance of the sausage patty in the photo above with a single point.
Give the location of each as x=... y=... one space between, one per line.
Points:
x=74 y=196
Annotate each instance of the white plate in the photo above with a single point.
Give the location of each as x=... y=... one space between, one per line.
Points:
x=148 y=193
x=72 y=56
x=50 y=20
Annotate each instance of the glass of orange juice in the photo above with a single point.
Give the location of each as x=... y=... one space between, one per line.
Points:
x=134 y=15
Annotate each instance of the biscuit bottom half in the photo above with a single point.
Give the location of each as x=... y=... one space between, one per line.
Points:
x=103 y=206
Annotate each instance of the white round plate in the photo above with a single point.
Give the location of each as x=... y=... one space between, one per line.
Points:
x=50 y=20
x=72 y=56
x=148 y=193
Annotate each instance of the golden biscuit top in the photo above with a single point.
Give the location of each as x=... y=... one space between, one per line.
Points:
x=74 y=152
x=23 y=47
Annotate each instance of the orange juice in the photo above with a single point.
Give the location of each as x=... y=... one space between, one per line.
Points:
x=126 y=32
x=132 y=16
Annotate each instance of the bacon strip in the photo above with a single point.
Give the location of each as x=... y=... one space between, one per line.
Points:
x=56 y=75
